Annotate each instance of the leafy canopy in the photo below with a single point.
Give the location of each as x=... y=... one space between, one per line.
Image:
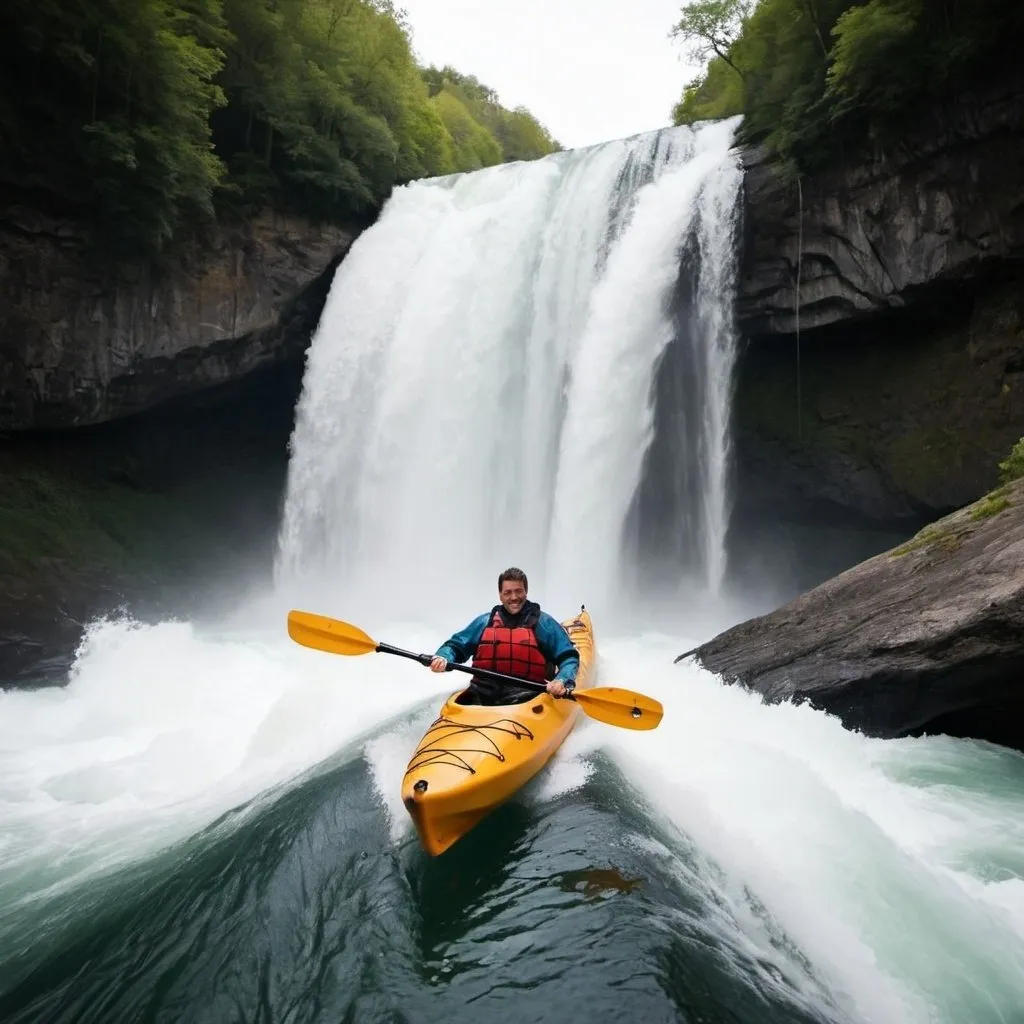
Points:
x=811 y=76
x=143 y=116
x=711 y=27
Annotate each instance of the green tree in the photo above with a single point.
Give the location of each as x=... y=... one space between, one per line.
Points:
x=328 y=109
x=818 y=75
x=716 y=94
x=711 y=27
x=472 y=145
x=870 y=43
x=141 y=116
x=107 y=106
x=520 y=135
x=1013 y=468
x=523 y=137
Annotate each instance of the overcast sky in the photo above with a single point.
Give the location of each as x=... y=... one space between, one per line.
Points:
x=589 y=70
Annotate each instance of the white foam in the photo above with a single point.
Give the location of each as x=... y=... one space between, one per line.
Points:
x=863 y=869
x=482 y=319
x=888 y=864
x=163 y=728
x=481 y=378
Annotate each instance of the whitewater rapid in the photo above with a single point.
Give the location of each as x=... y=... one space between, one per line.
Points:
x=483 y=391
x=873 y=880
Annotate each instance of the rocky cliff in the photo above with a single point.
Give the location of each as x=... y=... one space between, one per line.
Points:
x=82 y=342
x=905 y=385
x=165 y=513
x=145 y=413
x=944 y=206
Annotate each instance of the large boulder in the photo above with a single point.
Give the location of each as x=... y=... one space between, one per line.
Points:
x=925 y=638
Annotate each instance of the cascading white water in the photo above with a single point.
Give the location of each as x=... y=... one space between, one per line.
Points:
x=480 y=391
x=483 y=378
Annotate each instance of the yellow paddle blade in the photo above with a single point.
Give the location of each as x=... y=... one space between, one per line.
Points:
x=624 y=708
x=330 y=635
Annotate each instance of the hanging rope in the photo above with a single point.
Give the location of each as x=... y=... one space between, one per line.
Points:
x=799 y=268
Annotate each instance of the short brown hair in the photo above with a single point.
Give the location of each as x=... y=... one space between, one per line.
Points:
x=516 y=576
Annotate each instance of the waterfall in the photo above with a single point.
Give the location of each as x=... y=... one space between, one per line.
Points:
x=488 y=381
x=528 y=365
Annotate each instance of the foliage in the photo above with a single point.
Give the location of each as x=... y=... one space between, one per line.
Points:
x=473 y=145
x=1013 y=467
x=991 y=505
x=712 y=27
x=716 y=94
x=813 y=76
x=107 y=105
x=945 y=537
x=867 y=49
x=519 y=134
x=146 y=114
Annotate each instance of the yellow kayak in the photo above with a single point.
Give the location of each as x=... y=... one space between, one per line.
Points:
x=473 y=758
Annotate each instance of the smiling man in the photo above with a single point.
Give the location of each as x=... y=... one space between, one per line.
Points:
x=516 y=638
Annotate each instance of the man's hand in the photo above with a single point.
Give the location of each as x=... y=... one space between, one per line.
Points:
x=438 y=664
x=556 y=688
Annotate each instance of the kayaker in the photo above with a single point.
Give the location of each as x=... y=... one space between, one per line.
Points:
x=517 y=638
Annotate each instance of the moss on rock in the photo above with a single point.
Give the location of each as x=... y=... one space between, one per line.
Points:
x=918 y=409
x=164 y=513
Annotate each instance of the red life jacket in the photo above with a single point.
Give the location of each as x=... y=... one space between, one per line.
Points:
x=512 y=650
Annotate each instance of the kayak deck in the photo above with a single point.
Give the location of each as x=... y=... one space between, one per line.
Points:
x=473 y=758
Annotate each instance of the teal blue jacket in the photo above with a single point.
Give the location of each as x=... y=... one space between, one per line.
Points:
x=552 y=639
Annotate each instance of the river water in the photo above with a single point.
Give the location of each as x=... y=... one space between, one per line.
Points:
x=529 y=365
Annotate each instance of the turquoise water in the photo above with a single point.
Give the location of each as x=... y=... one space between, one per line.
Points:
x=220 y=839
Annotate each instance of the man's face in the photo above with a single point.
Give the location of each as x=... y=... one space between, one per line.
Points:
x=512 y=596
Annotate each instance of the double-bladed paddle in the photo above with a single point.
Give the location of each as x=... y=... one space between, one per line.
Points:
x=608 y=704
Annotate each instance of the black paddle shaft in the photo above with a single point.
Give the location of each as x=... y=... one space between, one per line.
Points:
x=483 y=673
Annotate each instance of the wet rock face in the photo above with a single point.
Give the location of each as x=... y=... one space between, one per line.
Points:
x=169 y=513
x=925 y=638
x=144 y=422
x=895 y=422
x=886 y=228
x=82 y=343
x=905 y=387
